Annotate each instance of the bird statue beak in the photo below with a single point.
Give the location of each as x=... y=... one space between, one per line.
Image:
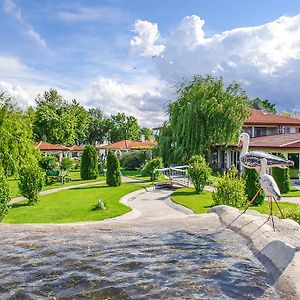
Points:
x=240 y=144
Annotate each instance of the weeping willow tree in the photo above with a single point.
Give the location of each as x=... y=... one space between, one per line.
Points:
x=16 y=145
x=206 y=113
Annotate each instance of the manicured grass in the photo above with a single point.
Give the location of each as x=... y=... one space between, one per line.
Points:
x=75 y=175
x=75 y=205
x=135 y=174
x=294 y=173
x=199 y=203
x=294 y=192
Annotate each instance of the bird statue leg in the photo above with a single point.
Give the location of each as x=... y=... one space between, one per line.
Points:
x=279 y=208
x=248 y=205
x=271 y=213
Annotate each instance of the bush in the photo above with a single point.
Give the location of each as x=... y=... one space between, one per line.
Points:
x=30 y=181
x=252 y=185
x=66 y=164
x=48 y=163
x=282 y=178
x=133 y=161
x=199 y=172
x=113 y=175
x=291 y=214
x=5 y=196
x=89 y=163
x=230 y=190
x=150 y=166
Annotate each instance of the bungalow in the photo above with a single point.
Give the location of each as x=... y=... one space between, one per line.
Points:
x=269 y=132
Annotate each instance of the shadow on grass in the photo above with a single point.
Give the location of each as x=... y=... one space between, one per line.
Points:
x=91 y=187
x=20 y=204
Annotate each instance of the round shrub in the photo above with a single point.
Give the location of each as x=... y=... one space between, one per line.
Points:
x=66 y=164
x=199 y=172
x=150 y=166
x=230 y=190
x=89 y=163
x=5 y=196
x=30 y=181
x=113 y=175
x=282 y=178
x=252 y=185
x=48 y=163
x=133 y=161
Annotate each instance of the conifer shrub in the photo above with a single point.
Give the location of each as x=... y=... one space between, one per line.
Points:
x=113 y=175
x=151 y=166
x=252 y=186
x=199 y=172
x=30 y=182
x=230 y=190
x=5 y=196
x=89 y=163
x=282 y=178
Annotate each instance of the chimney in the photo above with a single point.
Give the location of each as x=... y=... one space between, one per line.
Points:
x=143 y=137
x=151 y=138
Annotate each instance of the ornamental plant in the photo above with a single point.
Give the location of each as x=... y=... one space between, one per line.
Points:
x=151 y=166
x=252 y=185
x=113 y=175
x=30 y=181
x=48 y=163
x=282 y=178
x=199 y=172
x=5 y=196
x=230 y=190
x=89 y=163
x=66 y=164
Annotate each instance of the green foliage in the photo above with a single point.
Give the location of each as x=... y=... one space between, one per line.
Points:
x=60 y=122
x=48 y=163
x=265 y=105
x=147 y=132
x=282 y=178
x=293 y=214
x=66 y=164
x=230 y=190
x=122 y=127
x=252 y=185
x=199 y=172
x=16 y=145
x=5 y=195
x=98 y=126
x=150 y=166
x=89 y=163
x=113 y=175
x=30 y=182
x=133 y=160
x=206 y=113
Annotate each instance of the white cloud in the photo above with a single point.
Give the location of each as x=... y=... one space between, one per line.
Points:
x=27 y=29
x=264 y=59
x=147 y=36
x=16 y=92
x=92 y=14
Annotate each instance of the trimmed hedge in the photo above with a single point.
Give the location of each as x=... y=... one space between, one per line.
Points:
x=252 y=185
x=89 y=163
x=113 y=175
x=282 y=178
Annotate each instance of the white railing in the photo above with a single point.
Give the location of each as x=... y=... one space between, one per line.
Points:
x=176 y=174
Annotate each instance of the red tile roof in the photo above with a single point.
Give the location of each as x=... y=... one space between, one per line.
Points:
x=281 y=141
x=129 y=145
x=259 y=117
x=44 y=146
x=76 y=148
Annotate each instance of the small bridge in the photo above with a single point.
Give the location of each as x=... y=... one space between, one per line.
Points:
x=177 y=177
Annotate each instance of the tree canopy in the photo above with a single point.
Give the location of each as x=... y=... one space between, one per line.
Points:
x=263 y=104
x=206 y=113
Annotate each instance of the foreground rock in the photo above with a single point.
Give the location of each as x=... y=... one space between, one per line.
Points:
x=280 y=247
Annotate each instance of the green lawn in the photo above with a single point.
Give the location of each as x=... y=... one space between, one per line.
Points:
x=75 y=175
x=74 y=205
x=135 y=174
x=294 y=192
x=187 y=197
x=200 y=203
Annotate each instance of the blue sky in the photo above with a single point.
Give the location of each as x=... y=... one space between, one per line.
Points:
x=126 y=55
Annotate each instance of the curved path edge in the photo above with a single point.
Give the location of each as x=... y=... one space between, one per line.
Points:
x=281 y=248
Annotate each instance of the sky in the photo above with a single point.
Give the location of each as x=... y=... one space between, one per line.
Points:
x=127 y=56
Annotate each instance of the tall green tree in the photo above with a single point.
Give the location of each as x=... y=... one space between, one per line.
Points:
x=113 y=176
x=98 y=126
x=16 y=144
x=206 y=113
x=89 y=163
x=147 y=132
x=263 y=104
x=122 y=127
